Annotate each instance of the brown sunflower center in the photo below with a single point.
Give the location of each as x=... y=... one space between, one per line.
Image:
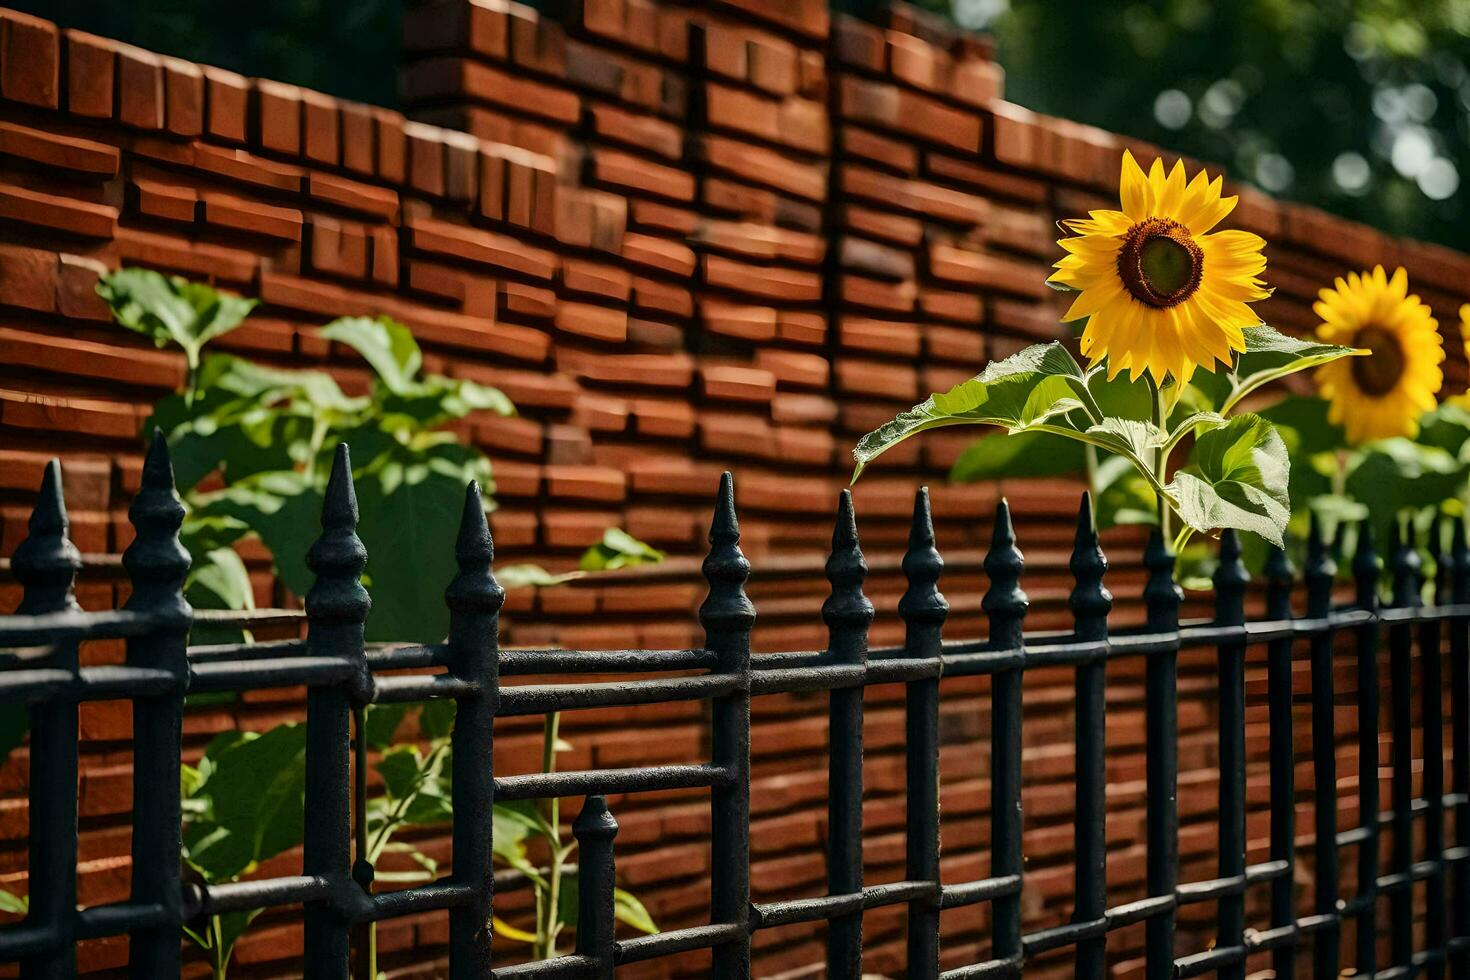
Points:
x=1160 y=262
x=1378 y=373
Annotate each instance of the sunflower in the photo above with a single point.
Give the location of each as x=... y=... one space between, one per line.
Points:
x=1161 y=293
x=1382 y=394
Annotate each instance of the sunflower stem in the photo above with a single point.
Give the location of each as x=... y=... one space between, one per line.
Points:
x=1161 y=455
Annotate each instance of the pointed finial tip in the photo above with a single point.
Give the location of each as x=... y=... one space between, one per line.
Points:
x=158 y=467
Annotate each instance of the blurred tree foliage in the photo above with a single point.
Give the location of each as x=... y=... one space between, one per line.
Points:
x=1359 y=106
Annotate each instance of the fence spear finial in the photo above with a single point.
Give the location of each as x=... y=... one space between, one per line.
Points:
x=474 y=588
x=1161 y=595
x=922 y=603
x=1407 y=564
x=1231 y=580
x=1005 y=602
x=847 y=611
x=46 y=562
x=726 y=614
x=338 y=556
x=1366 y=569
x=1090 y=600
x=156 y=562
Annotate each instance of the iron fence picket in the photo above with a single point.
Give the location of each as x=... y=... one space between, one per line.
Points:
x=339 y=670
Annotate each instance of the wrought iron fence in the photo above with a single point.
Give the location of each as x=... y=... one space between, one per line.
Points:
x=341 y=673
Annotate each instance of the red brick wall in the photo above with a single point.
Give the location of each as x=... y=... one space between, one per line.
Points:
x=682 y=238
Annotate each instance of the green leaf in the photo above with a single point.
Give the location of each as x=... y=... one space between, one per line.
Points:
x=1128 y=436
x=384 y=343
x=627 y=909
x=1447 y=427
x=1027 y=388
x=13 y=904
x=524 y=576
x=252 y=787
x=402 y=771
x=410 y=500
x=618 y=549
x=171 y=309
x=382 y=724
x=1238 y=478
x=422 y=405
x=1302 y=421
x=999 y=456
x=1124 y=497
x=284 y=509
x=436 y=718
x=1269 y=356
x=1391 y=475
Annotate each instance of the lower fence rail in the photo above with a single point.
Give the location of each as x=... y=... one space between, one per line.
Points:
x=1428 y=830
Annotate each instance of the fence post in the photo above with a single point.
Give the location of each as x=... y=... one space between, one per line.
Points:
x=595 y=829
x=1006 y=604
x=336 y=608
x=156 y=564
x=1320 y=574
x=923 y=609
x=1366 y=570
x=1161 y=736
x=1231 y=580
x=46 y=564
x=1460 y=733
x=847 y=613
x=727 y=616
x=1406 y=567
x=1090 y=602
x=1431 y=707
x=1279 y=580
x=474 y=599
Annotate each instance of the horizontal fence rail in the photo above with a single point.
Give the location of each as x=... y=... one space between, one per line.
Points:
x=41 y=670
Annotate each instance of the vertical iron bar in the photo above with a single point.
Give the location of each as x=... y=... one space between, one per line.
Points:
x=595 y=829
x=1161 y=695
x=923 y=609
x=46 y=564
x=1279 y=581
x=1406 y=567
x=474 y=599
x=1365 y=576
x=847 y=613
x=1432 y=710
x=1231 y=580
x=156 y=564
x=1320 y=573
x=727 y=616
x=336 y=608
x=1459 y=626
x=1006 y=605
x=1090 y=602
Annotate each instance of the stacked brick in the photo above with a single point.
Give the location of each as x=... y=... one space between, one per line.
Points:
x=681 y=238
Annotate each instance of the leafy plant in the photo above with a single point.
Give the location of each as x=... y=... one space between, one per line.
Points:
x=243 y=805
x=251 y=451
x=1237 y=475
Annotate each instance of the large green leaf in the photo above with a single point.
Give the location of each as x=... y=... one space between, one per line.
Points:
x=251 y=790
x=410 y=502
x=1269 y=356
x=1447 y=427
x=384 y=343
x=1027 y=388
x=423 y=405
x=1391 y=475
x=284 y=509
x=1000 y=456
x=1238 y=478
x=170 y=309
x=618 y=549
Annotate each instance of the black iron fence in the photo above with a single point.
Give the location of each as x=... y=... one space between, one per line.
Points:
x=1429 y=937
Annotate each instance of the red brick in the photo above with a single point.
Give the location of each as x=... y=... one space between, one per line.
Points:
x=76 y=288
x=729 y=383
x=320 y=128
x=357 y=138
x=240 y=214
x=59 y=213
x=28 y=278
x=90 y=70
x=277 y=115
x=30 y=59
x=139 y=88
x=377 y=202
x=586 y=483
x=392 y=145
x=596 y=279
x=474 y=245
x=630 y=173
x=168 y=202
x=425 y=158
x=183 y=97
x=227 y=101
x=58 y=152
x=597 y=322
